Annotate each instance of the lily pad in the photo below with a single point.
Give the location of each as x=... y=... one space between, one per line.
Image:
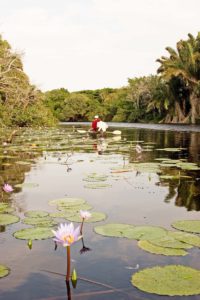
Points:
x=7 y=219
x=188 y=238
x=67 y=202
x=62 y=214
x=36 y=213
x=145 y=233
x=26 y=185
x=170 y=242
x=113 y=229
x=5 y=208
x=187 y=225
x=37 y=233
x=171 y=280
x=4 y=271
x=43 y=221
x=95 y=217
x=74 y=209
x=97 y=185
x=147 y=246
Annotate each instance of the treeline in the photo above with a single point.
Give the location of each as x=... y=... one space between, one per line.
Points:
x=21 y=104
x=171 y=96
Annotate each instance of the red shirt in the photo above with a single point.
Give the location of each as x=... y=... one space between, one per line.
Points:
x=94 y=124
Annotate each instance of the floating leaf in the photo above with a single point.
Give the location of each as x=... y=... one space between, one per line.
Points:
x=5 y=208
x=67 y=202
x=171 y=280
x=95 y=217
x=147 y=246
x=170 y=242
x=4 y=271
x=187 y=225
x=36 y=213
x=97 y=185
x=74 y=209
x=188 y=238
x=26 y=185
x=6 y=219
x=40 y=222
x=113 y=229
x=145 y=233
x=37 y=233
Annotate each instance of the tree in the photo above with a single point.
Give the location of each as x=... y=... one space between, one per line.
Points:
x=184 y=64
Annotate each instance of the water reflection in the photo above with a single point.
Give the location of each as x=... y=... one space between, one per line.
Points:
x=47 y=157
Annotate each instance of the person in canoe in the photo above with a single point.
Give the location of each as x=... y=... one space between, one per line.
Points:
x=94 y=126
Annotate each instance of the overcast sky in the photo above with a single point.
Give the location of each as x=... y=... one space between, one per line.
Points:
x=90 y=44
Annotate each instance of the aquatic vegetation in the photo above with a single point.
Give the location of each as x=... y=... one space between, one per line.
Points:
x=67 y=202
x=7 y=219
x=149 y=247
x=187 y=225
x=170 y=242
x=171 y=280
x=7 y=188
x=4 y=271
x=188 y=238
x=148 y=233
x=66 y=234
x=27 y=185
x=40 y=221
x=113 y=229
x=95 y=217
x=36 y=233
x=97 y=185
x=36 y=213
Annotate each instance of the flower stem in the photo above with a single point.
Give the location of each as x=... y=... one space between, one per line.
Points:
x=68 y=264
x=81 y=229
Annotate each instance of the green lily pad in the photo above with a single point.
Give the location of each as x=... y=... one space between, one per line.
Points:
x=113 y=229
x=147 y=233
x=36 y=233
x=188 y=238
x=97 y=185
x=36 y=213
x=94 y=177
x=5 y=208
x=187 y=225
x=40 y=222
x=171 y=280
x=95 y=217
x=67 y=202
x=7 y=219
x=170 y=242
x=62 y=214
x=26 y=185
x=147 y=246
x=76 y=208
x=4 y=271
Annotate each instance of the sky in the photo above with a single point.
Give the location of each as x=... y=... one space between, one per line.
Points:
x=94 y=44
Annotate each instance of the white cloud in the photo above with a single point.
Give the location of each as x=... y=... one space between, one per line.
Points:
x=87 y=44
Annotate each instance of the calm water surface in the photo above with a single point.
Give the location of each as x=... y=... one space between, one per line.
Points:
x=57 y=161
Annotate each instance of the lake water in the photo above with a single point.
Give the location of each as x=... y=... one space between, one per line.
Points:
x=55 y=163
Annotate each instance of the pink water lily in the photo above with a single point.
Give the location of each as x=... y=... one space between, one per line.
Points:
x=7 y=188
x=85 y=214
x=66 y=234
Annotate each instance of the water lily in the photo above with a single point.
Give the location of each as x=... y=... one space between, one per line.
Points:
x=7 y=188
x=85 y=215
x=66 y=234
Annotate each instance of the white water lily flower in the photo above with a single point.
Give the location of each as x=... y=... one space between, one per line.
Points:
x=67 y=234
x=85 y=214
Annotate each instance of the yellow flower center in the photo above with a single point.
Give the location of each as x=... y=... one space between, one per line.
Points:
x=68 y=238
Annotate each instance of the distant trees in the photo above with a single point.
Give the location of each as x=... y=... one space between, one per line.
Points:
x=21 y=103
x=172 y=96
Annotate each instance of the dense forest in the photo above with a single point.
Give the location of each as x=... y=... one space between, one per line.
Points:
x=171 y=96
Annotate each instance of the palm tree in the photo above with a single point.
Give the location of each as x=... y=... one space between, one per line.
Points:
x=185 y=64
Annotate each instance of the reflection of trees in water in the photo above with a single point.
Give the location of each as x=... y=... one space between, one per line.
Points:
x=188 y=195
